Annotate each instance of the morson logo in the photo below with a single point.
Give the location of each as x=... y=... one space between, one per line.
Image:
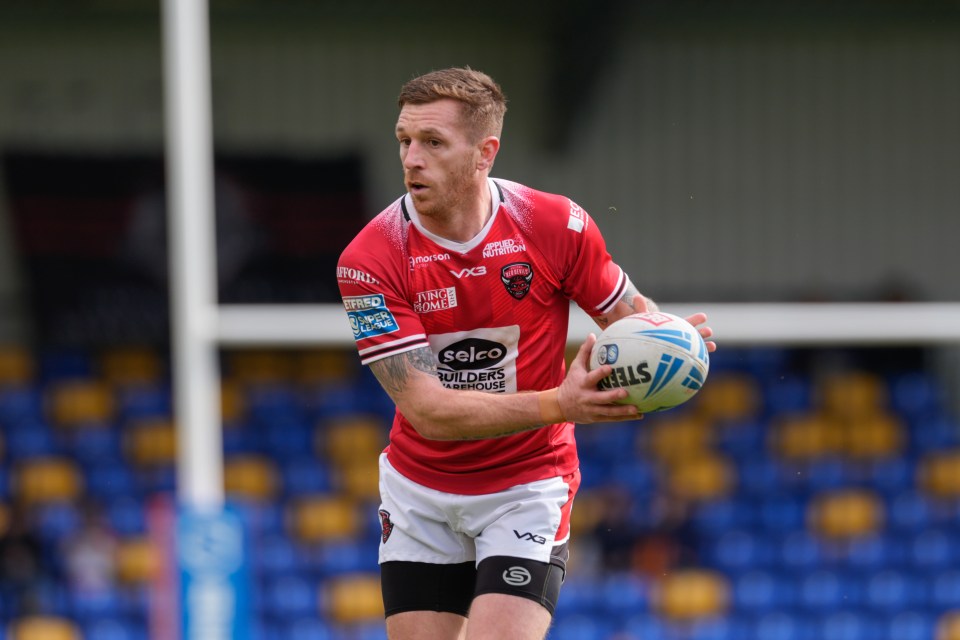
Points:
x=472 y=353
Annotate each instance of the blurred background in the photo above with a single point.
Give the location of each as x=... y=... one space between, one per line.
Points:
x=730 y=151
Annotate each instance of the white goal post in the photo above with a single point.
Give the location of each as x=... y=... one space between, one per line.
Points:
x=742 y=324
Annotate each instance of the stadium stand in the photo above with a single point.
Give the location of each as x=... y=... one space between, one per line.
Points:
x=778 y=504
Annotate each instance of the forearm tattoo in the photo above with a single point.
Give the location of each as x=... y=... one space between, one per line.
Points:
x=393 y=372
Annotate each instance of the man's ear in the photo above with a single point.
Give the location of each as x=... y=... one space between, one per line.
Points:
x=489 y=147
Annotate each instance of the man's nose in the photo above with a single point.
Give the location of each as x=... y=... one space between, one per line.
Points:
x=412 y=156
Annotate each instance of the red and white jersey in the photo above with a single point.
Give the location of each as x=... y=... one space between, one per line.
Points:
x=494 y=311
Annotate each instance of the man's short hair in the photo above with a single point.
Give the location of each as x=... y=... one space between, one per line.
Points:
x=482 y=100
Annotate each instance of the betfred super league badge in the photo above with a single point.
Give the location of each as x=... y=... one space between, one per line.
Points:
x=516 y=277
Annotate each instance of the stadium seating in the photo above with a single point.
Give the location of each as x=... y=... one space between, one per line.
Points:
x=779 y=505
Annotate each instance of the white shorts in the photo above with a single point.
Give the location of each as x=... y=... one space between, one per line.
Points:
x=424 y=525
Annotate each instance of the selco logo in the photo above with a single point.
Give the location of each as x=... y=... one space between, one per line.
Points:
x=472 y=353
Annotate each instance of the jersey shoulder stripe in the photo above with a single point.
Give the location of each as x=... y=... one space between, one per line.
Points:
x=380 y=351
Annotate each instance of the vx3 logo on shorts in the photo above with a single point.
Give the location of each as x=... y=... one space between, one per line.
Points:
x=529 y=536
x=517 y=576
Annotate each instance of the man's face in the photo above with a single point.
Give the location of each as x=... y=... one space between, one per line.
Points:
x=440 y=163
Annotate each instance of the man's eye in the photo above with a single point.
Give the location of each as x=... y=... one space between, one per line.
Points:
x=434 y=143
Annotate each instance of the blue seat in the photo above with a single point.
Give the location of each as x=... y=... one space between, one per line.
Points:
x=875 y=552
x=113 y=628
x=782 y=626
x=582 y=627
x=291 y=596
x=579 y=596
x=824 y=591
x=647 y=626
x=30 y=439
x=934 y=433
x=916 y=394
x=782 y=512
x=345 y=556
x=909 y=511
x=18 y=404
x=760 y=475
x=275 y=555
x=757 y=592
x=891 y=475
x=892 y=590
x=740 y=550
x=126 y=515
x=933 y=549
x=88 y=606
x=718 y=628
x=61 y=364
x=800 y=550
x=144 y=401
x=717 y=516
x=362 y=631
x=306 y=628
x=850 y=625
x=910 y=625
x=945 y=592
x=284 y=436
x=56 y=520
x=624 y=593
x=96 y=445
x=306 y=475
x=787 y=394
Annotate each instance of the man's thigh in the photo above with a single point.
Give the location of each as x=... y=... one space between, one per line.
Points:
x=497 y=616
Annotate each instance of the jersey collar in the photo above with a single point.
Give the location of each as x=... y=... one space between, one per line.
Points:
x=410 y=212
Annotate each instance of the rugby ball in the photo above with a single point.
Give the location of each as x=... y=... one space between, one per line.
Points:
x=659 y=358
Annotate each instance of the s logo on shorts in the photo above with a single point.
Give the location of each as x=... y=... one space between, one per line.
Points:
x=517 y=576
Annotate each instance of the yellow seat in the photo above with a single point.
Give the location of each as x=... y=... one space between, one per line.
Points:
x=805 y=437
x=17 y=366
x=260 y=366
x=253 y=477
x=948 y=626
x=353 y=598
x=320 y=518
x=846 y=514
x=319 y=366
x=352 y=438
x=80 y=402
x=939 y=474
x=692 y=594
x=729 y=397
x=360 y=479
x=137 y=560
x=131 y=365
x=852 y=393
x=233 y=405
x=673 y=438
x=48 y=479
x=874 y=436
x=151 y=441
x=44 y=628
x=704 y=476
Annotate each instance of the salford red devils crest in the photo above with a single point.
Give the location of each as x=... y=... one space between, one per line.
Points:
x=386 y=527
x=516 y=278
